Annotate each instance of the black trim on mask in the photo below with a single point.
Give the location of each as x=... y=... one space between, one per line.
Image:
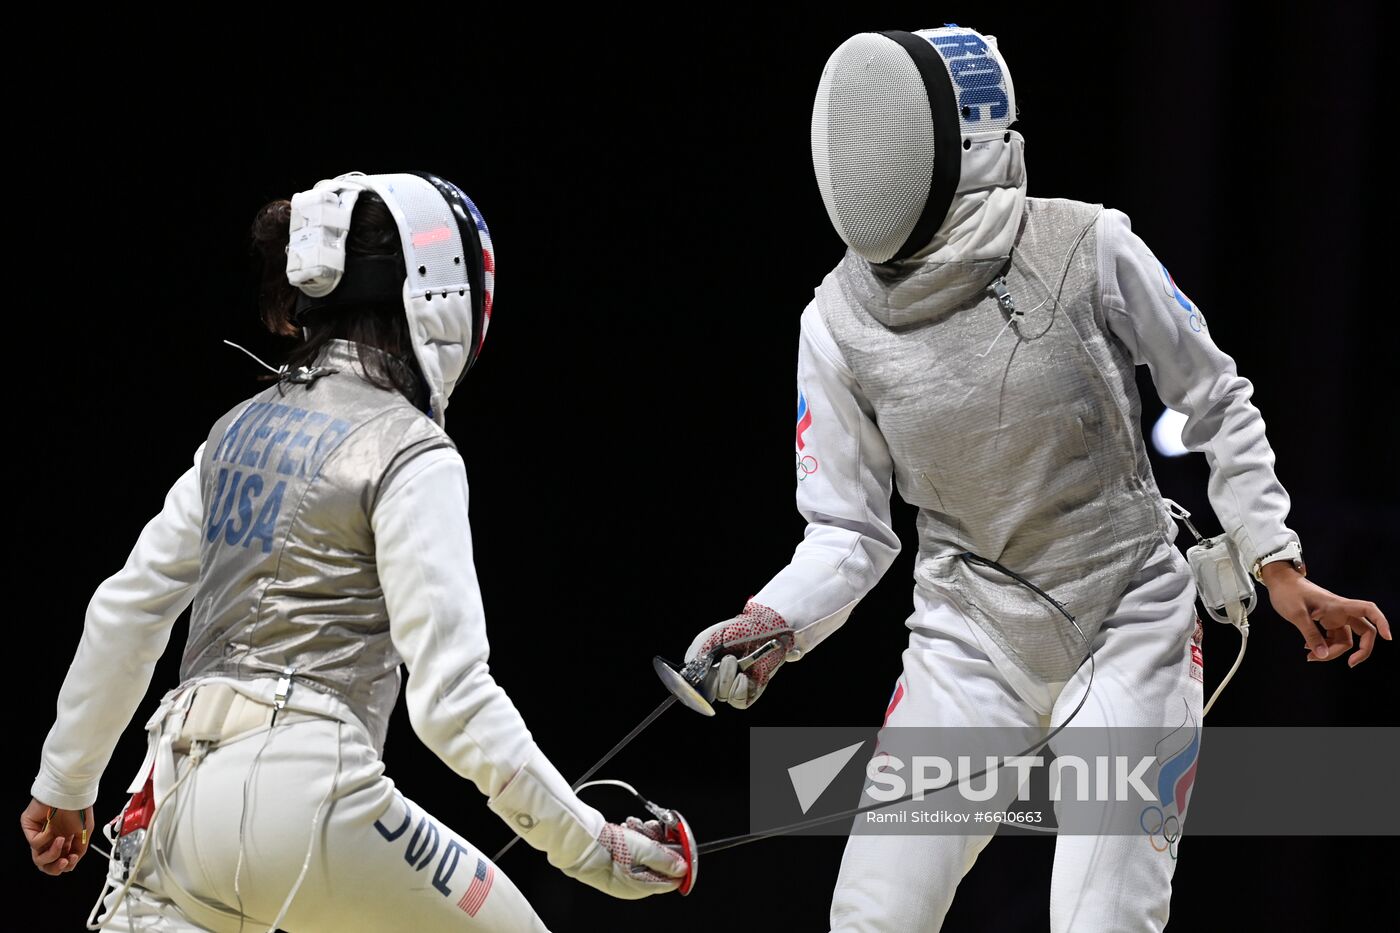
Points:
x=366 y=280
x=476 y=265
x=947 y=140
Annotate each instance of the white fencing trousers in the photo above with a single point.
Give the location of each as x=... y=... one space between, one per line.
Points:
x=954 y=676
x=380 y=862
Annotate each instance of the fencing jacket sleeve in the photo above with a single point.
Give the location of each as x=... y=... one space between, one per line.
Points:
x=125 y=632
x=844 y=475
x=423 y=548
x=1164 y=329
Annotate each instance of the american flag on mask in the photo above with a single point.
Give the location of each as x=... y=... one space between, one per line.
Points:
x=475 y=894
x=488 y=258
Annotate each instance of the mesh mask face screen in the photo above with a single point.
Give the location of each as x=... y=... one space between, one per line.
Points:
x=872 y=144
x=886 y=102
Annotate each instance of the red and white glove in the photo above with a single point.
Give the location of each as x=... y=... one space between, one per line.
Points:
x=626 y=861
x=736 y=638
x=640 y=864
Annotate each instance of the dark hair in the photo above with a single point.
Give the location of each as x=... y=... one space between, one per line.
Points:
x=380 y=325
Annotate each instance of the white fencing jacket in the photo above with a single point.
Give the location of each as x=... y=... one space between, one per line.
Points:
x=844 y=466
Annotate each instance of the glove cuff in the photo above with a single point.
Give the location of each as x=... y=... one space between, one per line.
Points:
x=538 y=804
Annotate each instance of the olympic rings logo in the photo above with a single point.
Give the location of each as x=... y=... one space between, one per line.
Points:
x=1166 y=828
x=806 y=466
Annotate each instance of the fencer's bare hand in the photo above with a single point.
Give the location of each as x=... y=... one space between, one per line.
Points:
x=1330 y=624
x=57 y=839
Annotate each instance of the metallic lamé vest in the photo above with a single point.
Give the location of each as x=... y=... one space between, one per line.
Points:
x=287 y=574
x=1024 y=448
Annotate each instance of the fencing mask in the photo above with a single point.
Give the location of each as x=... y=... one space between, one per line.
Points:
x=447 y=257
x=903 y=123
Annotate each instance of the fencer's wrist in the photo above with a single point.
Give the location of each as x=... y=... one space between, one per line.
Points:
x=1279 y=573
x=1291 y=554
x=539 y=805
x=65 y=795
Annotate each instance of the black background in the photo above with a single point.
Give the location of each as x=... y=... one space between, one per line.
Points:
x=627 y=432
